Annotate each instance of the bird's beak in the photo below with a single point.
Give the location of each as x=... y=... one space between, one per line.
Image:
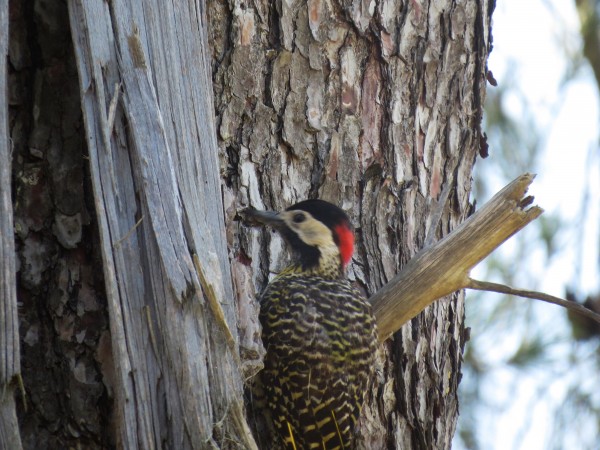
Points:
x=254 y=217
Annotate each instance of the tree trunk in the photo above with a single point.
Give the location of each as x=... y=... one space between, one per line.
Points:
x=377 y=108
x=373 y=106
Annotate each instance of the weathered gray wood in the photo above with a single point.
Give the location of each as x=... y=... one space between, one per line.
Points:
x=10 y=367
x=177 y=381
x=445 y=266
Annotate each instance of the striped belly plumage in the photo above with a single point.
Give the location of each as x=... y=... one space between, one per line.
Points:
x=321 y=340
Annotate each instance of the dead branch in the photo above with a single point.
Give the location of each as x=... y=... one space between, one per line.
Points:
x=444 y=267
x=503 y=289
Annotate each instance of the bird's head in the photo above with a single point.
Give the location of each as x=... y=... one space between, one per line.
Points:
x=319 y=233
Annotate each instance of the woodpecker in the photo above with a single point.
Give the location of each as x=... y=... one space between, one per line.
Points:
x=317 y=329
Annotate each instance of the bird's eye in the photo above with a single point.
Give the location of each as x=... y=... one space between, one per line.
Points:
x=299 y=218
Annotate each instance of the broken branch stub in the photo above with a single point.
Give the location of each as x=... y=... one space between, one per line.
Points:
x=444 y=267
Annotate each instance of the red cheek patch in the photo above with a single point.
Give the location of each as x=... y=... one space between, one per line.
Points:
x=346 y=243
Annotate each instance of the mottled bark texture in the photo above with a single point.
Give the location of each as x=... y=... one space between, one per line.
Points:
x=375 y=106
x=63 y=324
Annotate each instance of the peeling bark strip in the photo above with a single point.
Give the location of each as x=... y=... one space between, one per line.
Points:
x=10 y=368
x=376 y=107
x=177 y=384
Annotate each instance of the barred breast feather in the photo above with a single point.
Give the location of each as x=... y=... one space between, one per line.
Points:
x=321 y=340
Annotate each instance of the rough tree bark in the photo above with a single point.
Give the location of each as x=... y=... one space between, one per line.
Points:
x=375 y=106
x=62 y=310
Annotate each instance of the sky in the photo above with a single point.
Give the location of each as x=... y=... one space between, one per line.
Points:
x=531 y=39
x=534 y=52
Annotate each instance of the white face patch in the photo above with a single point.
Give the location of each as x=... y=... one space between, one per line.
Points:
x=311 y=231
